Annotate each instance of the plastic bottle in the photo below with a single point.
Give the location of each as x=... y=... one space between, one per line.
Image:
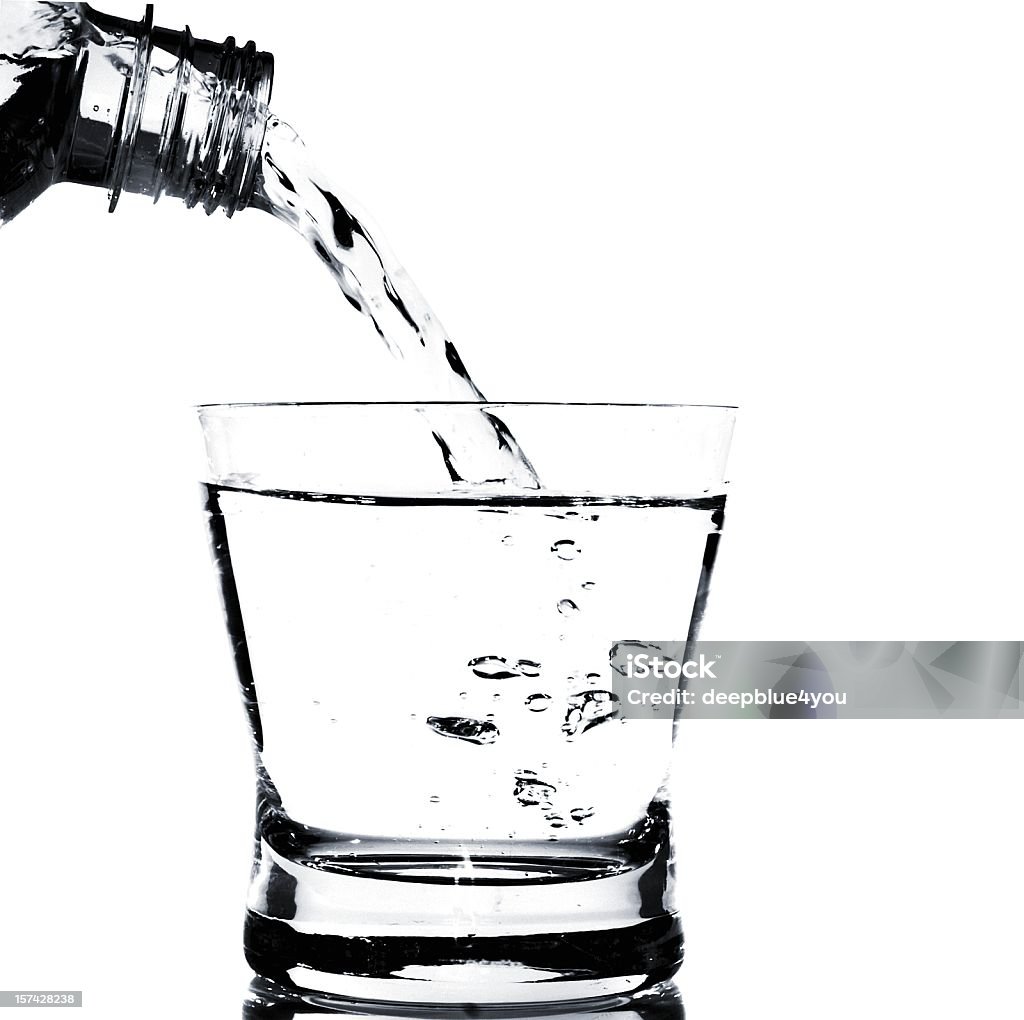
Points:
x=99 y=100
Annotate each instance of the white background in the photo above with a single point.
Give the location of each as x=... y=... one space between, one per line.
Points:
x=812 y=210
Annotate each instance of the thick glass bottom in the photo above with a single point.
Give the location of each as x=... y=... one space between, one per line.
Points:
x=426 y=922
x=411 y=925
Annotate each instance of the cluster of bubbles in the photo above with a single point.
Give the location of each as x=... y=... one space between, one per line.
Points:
x=583 y=710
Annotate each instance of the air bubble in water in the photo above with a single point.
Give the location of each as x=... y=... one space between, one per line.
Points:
x=588 y=585
x=567 y=607
x=531 y=791
x=492 y=667
x=538 y=702
x=435 y=799
x=587 y=710
x=580 y=814
x=474 y=731
x=507 y=540
x=496 y=667
x=566 y=549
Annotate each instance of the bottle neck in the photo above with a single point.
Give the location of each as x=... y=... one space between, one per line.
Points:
x=163 y=113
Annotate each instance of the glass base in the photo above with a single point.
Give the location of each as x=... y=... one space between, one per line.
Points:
x=421 y=929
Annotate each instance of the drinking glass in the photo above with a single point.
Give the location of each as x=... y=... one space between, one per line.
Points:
x=450 y=808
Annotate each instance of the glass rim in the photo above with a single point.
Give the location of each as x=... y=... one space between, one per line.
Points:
x=232 y=405
x=400 y=447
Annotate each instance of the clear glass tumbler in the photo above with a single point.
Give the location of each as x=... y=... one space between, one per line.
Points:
x=450 y=809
